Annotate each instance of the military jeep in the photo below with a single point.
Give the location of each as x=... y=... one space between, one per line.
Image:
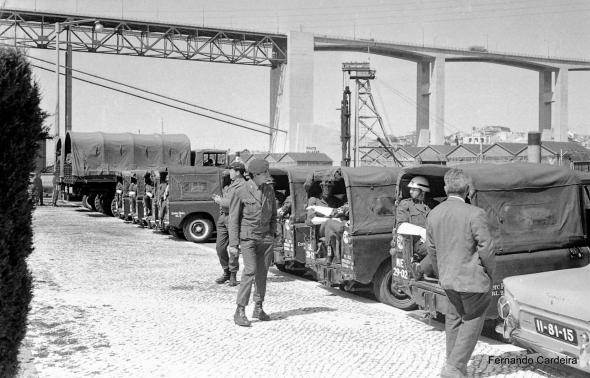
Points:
x=365 y=260
x=536 y=218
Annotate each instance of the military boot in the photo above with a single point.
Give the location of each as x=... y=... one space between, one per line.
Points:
x=224 y=277
x=259 y=313
x=240 y=317
x=232 y=279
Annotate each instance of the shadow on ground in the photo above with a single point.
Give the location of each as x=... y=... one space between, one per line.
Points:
x=299 y=311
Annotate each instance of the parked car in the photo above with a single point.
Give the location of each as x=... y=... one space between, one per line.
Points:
x=549 y=313
x=537 y=221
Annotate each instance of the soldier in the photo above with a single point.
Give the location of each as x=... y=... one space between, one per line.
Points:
x=252 y=226
x=331 y=229
x=414 y=210
x=133 y=194
x=163 y=191
x=229 y=262
x=149 y=195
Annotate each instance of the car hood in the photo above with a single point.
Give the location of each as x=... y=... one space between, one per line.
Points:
x=564 y=292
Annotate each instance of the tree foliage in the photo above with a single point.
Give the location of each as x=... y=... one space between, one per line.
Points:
x=21 y=129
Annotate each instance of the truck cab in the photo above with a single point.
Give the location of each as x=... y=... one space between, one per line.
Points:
x=209 y=157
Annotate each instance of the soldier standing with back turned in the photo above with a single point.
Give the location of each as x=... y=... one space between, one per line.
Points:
x=252 y=226
x=229 y=262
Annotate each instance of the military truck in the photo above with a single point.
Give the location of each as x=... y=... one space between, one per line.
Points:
x=365 y=260
x=192 y=213
x=93 y=160
x=537 y=221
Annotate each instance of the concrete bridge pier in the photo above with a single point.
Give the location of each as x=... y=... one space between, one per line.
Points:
x=430 y=96
x=553 y=104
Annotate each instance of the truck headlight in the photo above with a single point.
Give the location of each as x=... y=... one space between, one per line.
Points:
x=503 y=307
x=346 y=237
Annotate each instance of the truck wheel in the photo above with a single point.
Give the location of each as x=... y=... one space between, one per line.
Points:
x=384 y=292
x=198 y=229
x=114 y=209
x=177 y=233
x=85 y=202
x=98 y=203
x=91 y=201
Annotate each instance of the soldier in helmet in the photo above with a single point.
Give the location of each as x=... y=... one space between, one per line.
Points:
x=229 y=262
x=414 y=210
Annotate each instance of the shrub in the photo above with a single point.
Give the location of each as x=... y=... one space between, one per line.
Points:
x=21 y=128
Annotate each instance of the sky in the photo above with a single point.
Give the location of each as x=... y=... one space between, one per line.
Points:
x=477 y=94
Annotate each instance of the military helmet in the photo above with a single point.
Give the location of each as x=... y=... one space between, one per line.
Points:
x=421 y=183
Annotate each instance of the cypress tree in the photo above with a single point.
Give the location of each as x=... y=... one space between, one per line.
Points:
x=21 y=129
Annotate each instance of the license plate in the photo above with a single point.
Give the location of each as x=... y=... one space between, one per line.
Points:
x=556 y=331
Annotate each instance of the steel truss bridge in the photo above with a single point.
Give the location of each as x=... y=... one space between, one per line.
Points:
x=27 y=29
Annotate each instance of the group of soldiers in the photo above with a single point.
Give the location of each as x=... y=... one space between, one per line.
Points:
x=149 y=196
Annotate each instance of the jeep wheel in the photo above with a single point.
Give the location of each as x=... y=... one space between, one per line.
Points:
x=197 y=229
x=386 y=294
x=91 y=201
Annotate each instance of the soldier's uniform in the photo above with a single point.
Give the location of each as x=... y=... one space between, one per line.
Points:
x=414 y=211
x=252 y=226
x=38 y=189
x=147 y=199
x=133 y=196
x=229 y=261
x=119 y=195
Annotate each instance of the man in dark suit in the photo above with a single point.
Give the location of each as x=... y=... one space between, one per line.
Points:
x=462 y=252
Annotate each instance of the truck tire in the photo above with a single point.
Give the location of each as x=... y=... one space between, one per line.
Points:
x=114 y=209
x=85 y=202
x=384 y=293
x=91 y=201
x=98 y=203
x=197 y=229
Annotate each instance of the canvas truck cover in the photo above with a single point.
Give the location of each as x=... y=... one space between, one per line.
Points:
x=297 y=178
x=529 y=206
x=371 y=196
x=100 y=153
x=194 y=183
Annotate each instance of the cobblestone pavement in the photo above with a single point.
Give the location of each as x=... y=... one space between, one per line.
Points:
x=114 y=300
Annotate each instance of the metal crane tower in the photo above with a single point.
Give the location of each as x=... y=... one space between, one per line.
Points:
x=371 y=144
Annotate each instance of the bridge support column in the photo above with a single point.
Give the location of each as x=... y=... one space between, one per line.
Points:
x=559 y=116
x=430 y=96
x=300 y=50
x=553 y=104
x=276 y=95
x=423 y=103
x=437 y=100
